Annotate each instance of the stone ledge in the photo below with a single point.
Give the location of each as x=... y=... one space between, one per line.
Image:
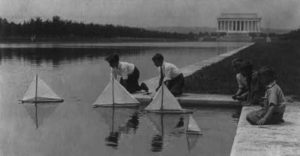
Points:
x=268 y=140
x=190 y=99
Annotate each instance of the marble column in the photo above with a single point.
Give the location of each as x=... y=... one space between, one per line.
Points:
x=227 y=25
x=248 y=25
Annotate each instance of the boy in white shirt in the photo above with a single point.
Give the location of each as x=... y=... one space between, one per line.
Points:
x=169 y=74
x=128 y=73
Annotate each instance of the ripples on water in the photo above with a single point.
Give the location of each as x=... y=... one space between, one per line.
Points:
x=79 y=74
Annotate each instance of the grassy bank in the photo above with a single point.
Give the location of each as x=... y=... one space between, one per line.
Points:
x=283 y=56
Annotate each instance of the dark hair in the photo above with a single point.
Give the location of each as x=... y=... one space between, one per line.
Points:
x=247 y=68
x=158 y=57
x=236 y=62
x=268 y=72
x=112 y=58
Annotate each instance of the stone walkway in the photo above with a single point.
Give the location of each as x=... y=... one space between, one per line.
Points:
x=269 y=140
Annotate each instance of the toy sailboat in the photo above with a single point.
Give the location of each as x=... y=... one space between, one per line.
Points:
x=165 y=102
x=193 y=127
x=192 y=134
x=39 y=92
x=115 y=95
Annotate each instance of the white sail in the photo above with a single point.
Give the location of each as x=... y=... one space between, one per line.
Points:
x=193 y=127
x=170 y=103
x=121 y=96
x=41 y=93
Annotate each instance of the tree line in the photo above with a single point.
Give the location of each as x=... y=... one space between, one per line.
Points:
x=292 y=35
x=59 y=28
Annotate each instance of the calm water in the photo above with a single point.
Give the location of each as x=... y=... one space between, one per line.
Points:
x=78 y=73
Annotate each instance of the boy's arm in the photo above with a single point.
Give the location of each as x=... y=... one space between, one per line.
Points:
x=240 y=88
x=267 y=115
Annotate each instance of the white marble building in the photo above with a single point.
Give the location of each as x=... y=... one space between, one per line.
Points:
x=239 y=23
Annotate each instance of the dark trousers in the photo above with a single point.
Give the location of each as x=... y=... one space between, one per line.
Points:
x=132 y=81
x=176 y=85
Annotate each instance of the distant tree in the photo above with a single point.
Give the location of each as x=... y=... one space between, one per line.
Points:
x=58 y=28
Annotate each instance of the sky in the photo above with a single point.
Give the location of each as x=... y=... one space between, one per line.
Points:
x=283 y=14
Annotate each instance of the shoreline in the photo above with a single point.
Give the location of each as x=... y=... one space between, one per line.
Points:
x=169 y=44
x=87 y=40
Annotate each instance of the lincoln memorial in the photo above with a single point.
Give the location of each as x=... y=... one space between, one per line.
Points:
x=239 y=23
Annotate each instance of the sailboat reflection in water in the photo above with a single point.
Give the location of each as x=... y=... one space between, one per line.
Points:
x=171 y=126
x=119 y=110
x=120 y=121
x=168 y=126
x=168 y=118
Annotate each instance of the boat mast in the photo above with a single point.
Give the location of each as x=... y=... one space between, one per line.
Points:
x=35 y=102
x=162 y=89
x=113 y=101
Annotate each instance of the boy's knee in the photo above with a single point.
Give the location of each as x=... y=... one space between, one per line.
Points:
x=249 y=118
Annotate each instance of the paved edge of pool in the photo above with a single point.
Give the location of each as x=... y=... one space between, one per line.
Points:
x=268 y=140
x=190 y=99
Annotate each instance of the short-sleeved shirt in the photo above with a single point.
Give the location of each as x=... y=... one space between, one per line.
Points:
x=123 y=70
x=241 y=81
x=170 y=71
x=274 y=96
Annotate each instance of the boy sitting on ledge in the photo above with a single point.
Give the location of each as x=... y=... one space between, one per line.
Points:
x=274 y=104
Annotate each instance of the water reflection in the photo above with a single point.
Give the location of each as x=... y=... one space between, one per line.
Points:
x=59 y=56
x=40 y=112
x=55 y=56
x=167 y=126
x=192 y=141
x=120 y=121
x=157 y=143
x=75 y=128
